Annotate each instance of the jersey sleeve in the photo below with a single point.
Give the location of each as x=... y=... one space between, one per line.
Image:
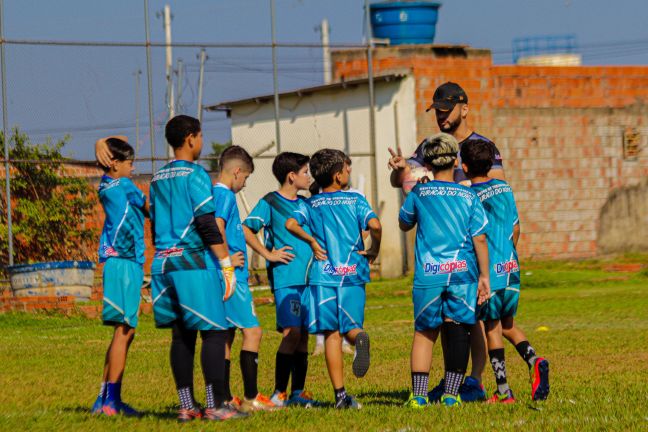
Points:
x=302 y=213
x=224 y=201
x=364 y=212
x=259 y=217
x=407 y=212
x=200 y=191
x=135 y=196
x=478 y=218
x=152 y=205
x=497 y=158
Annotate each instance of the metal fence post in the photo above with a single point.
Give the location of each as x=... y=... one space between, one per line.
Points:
x=275 y=83
x=372 y=109
x=5 y=130
x=149 y=75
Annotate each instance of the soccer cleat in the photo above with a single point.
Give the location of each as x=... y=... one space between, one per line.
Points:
x=450 y=400
x=303 y=399
x=417 y=402
x=434 y=395
x=259 y=403
x=223 y=413
x=472 y=391
x=349 y=402
x=505 y=398
x=279 y=398
x=361 y=359
x=319 y=350
x=187 y=415
x=540 y=379
x=97 y=407
x=110 y=408
x=234 y=403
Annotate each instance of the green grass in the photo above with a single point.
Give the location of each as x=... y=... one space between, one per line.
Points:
x=597 y=344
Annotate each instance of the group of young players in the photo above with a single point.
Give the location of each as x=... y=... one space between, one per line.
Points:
x=466 y=270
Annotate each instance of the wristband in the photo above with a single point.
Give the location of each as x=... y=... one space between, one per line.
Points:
x=225 y=262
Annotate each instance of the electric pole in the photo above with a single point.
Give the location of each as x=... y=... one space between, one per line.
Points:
x=201 y=76
x=326 y=51
x=179 y=84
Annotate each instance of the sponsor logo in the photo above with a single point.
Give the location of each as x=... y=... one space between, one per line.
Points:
x=169 y=253
x=446 y=267
x=507 y=267
x=342 y=270
x=110 y=251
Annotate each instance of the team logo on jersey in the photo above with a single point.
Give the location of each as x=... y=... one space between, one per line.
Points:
x=507 y=267
x=110 y=251
x=169 y=253
x=446 y=267
x=342 y=270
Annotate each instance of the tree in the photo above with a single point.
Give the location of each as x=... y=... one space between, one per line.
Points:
x=217 y=149
x=50 y=207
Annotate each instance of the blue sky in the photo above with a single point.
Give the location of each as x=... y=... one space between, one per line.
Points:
x=90 y=91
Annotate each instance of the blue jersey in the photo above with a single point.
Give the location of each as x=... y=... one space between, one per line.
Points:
x=123 y=231
x=336 y=220
x=180 y=192
x=497 y=198
x=227 y=210
x=448 y=216
x=271 y=214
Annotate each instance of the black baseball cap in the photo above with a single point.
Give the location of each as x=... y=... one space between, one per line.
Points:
x=446 y=96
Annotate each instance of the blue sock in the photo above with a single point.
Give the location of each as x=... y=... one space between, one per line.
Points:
x=113 y=392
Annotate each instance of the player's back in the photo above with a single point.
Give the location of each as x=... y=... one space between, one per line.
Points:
x=497 y=198
x=180 y=191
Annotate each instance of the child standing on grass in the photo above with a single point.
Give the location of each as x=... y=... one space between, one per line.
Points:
x=121 y=249
x=451 y=272
x=503 y=233
x=337 y=278
x=288 y=261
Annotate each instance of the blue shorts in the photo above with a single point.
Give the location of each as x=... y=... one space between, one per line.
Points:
x=194 y=297
x=239 y=309
x=501 y=304
x=432 y=305
x=336 y=308
x=291 y=304
x=122 y=285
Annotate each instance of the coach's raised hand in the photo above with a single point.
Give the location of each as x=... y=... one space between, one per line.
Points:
x=396 y=161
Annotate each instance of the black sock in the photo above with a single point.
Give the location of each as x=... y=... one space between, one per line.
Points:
x=527 y=353
x=420 y=383
x=499 y=369
x=283 y=367
x=183 y=347
x=249 y=368
x=340 y=394
x=212 y=359
x=226 y=381
x=300 y=368
x=456 y=354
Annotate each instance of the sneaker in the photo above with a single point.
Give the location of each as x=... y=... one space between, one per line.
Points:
x=303 y=399
x=361 y=358
x=434 y=395
x=472 y=391
x=540 y=379
x=417 y=402
x=319 y=350
x=97 y=407
x=349 y=402
x=506 y=398
x=223 y=413
x=187 y=415
x=259 y=403
x=110 y=408
x=347 y=348
x=234 y=403
x=279 y=398
x=450 y=400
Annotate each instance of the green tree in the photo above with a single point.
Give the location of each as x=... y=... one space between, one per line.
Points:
x=50 y=207
x=217 y=149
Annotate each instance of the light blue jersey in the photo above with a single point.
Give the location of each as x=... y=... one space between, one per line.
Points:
x=180 y=192
x=123 y=231
x=271 y=214
x=227 y=209
x=497 y=198
x=336 y=220
x=448 y=216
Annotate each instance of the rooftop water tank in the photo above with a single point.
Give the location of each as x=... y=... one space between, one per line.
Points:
x=405 y=22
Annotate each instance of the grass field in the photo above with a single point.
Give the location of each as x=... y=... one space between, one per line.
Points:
x=597 y=345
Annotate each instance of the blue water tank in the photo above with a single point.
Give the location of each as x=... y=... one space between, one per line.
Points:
x=405 y=22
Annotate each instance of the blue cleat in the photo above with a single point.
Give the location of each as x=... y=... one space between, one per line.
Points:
x=472 y=391
x=450 y=400
x=128 y=411
x=416 y=402
x=434 y=395
x=97 y=407
x=303 y=399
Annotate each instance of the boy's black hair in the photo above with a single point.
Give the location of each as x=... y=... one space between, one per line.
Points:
x=478 y=156
x=325 y=163
x=236 y=153
x=179 y=128
x=120 y=150
x=287 y=162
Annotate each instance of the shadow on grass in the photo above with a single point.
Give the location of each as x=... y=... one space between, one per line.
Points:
x=167 y=413
x=387 y=398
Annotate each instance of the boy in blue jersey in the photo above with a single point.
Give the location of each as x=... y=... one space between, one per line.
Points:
x=451 y=271
x=236 y=165
x=187 y=292
x=338 y=275
x=121 y=248
x=502 y=234
x=288 y=261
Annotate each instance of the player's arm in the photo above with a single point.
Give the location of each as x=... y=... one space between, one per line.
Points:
x=277 y=255
x=516 y=234
x=295 y=229
x=375 y=231
x=102 y=152
x=238 y=259
x=481 y=250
